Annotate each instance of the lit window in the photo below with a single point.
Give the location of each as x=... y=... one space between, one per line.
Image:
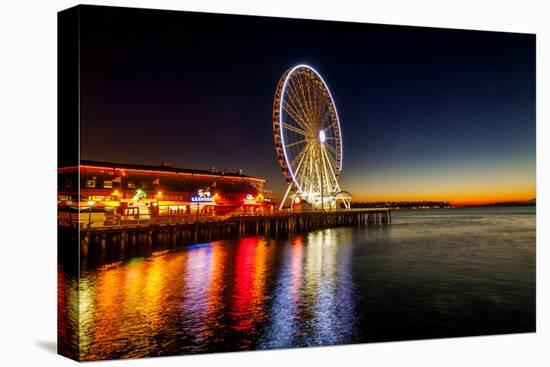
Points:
x=131 y=185
x=107 y=184
x=90 y=183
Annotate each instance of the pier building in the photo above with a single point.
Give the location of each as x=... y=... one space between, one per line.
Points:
x=107 y=191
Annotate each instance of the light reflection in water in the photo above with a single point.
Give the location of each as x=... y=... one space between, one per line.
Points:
x=330 y=287
x=67 y=313
x=284 y=310
x=325 y=315
x=214 y=296
x=213 y=318
x=248 y=300
x=201 y=308
x=472 y=275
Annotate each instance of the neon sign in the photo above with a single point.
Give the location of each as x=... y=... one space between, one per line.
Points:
x=139 y=195
x=202 y=197
x=249 y=200
x=139 y=199
x=198 y=199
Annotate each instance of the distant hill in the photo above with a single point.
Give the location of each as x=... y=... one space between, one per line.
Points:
x=436 y=204
x=403 y=204
x=532 y=202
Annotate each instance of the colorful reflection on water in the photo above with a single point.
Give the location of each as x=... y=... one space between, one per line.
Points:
x=471 y=275
x=219 y=296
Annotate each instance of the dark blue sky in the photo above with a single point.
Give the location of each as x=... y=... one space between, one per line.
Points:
x=425 y=113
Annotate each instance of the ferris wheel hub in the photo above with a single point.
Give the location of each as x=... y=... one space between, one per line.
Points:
x=322 y=136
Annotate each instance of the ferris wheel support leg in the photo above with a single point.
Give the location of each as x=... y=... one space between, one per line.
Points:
x=285 y=197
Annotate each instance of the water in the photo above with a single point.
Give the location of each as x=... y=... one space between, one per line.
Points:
x=430 y=274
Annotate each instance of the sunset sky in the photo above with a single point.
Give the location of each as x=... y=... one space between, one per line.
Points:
x=426 y=114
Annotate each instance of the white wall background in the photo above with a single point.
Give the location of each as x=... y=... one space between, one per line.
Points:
x=28 y=170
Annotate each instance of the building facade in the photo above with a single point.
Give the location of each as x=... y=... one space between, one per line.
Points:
x=127 y=191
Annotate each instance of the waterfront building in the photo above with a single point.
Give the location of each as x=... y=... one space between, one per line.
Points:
x=126 y=191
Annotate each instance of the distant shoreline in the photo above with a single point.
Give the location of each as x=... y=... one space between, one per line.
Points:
x=422 y=205
x=499 y=205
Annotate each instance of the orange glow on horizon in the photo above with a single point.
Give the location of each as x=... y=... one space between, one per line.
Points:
x=466 y=200
x=471 y=182
x=458 y=201
x=466 y=197
x=485 y=202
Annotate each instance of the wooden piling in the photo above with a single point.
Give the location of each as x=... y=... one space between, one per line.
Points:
x=173 y=234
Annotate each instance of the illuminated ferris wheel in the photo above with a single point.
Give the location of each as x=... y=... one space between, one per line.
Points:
x=308 y=138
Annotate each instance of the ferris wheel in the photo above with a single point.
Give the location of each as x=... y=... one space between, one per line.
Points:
x=308 y=139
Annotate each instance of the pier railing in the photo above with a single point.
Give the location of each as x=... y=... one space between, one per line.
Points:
x=136 y=220
x=86 y=222
x=159 y=232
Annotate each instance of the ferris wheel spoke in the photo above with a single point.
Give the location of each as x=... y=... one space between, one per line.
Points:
x=330 y=126
x=293 y=128
x=307 y=87
x=311 y=174
x=305 y=99
x=330 y=165
x=306 y=161
x=331 y=148
x=317 y=103
x=323 y=108
x=294 y=99
x=333 y=163
x=302 y=174
x=326 y=176
x=325 y=116
x=325 y=120
x=318 y=178
x=332 y=158
x=320 y=172
x=323 y=111
x=313 y=100
x=297 y=170
x=294 y=115
x=295 y=143
x=332 y=153
x=299 y=157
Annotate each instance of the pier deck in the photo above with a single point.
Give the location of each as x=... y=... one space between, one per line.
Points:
x=154 y=231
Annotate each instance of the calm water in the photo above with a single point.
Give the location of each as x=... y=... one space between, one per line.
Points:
x=433 y=273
